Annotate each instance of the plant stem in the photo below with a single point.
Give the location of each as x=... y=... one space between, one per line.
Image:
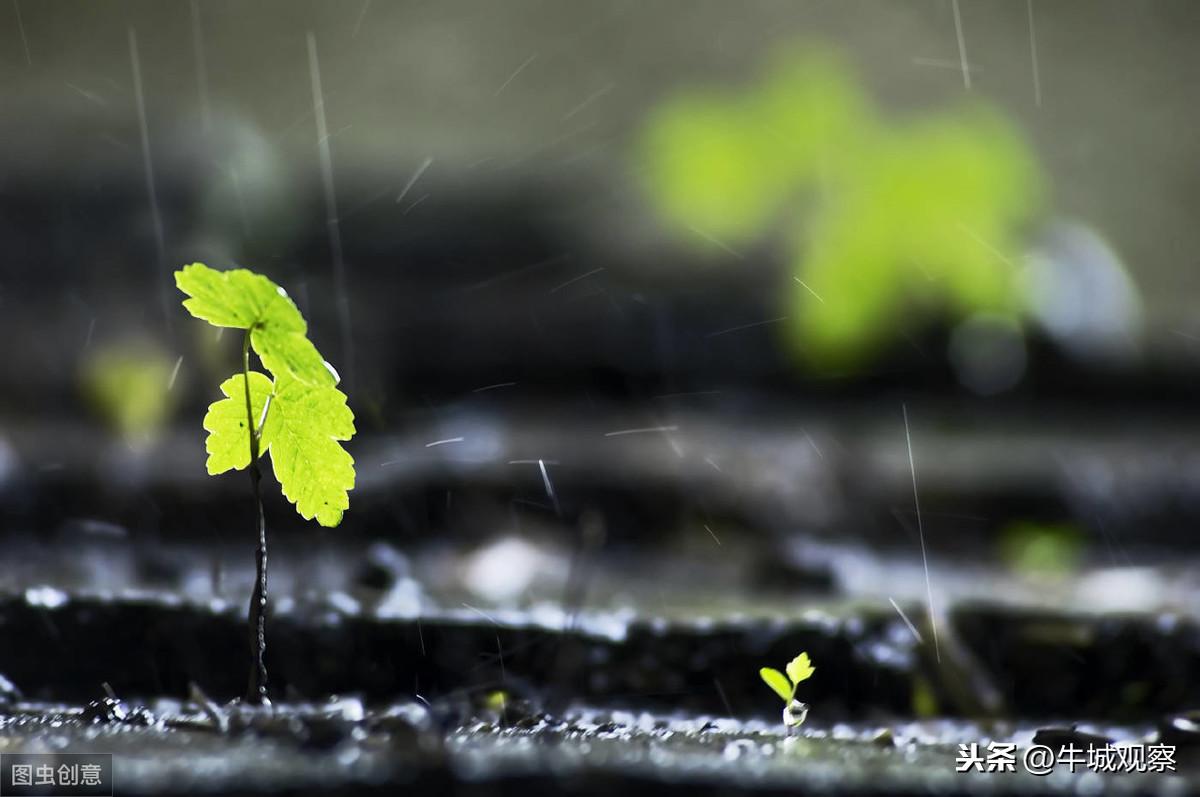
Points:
x=256 y=688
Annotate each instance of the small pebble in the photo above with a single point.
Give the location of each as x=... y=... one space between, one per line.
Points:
x=9 y=693
x=1057 y=738
x=1181 y=730
x=105 y=710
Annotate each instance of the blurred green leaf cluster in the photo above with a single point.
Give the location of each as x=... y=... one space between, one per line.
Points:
x=883 y=222
x=128 y=384
x=1042 y=550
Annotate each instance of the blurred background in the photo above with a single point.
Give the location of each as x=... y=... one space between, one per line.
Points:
x=666 y=309
x=482 y=156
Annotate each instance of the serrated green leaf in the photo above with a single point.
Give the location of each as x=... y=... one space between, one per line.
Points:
x=307 y=417
x=778 y=683
x=228 y=442
x=304 y=426
x=800 y=669
x=242 y=299
x=283 y=350
x=238 y=298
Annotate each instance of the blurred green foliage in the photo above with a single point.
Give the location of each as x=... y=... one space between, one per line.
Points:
x=1042 y=550
x=884 y=222
x=127 y=384
x=924 y=700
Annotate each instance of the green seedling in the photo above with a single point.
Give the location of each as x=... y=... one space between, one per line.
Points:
x=799 y=669
x=297 y=414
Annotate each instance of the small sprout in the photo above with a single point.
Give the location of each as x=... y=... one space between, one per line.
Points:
x=924 y=699
x=798 y=670
x=496 y=701
x=297 y=415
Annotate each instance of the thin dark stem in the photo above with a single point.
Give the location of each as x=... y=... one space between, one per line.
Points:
x=256 y=688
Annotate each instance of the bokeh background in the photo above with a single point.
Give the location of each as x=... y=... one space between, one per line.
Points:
x=522 y=123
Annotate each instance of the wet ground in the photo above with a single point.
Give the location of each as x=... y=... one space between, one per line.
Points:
x=340 y=747
x=585 y=611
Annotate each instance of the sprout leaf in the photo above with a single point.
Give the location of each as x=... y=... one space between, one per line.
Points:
x=800 y=669
x=306 y=416
x=228 y=443
x=244 y=300
x=304 y=427
x=778 y=682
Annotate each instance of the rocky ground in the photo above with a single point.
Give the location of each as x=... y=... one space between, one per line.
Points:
x=530 y=608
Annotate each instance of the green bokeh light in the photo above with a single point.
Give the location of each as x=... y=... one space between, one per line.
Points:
x=884 y=223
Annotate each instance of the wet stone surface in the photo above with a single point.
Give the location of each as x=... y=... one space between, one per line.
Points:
x=479 y=638
x=469 y=701
x=145 y=645
x=991 y=660
x=342 y=747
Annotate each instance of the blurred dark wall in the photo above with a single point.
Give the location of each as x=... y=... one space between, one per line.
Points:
x=518 y=120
